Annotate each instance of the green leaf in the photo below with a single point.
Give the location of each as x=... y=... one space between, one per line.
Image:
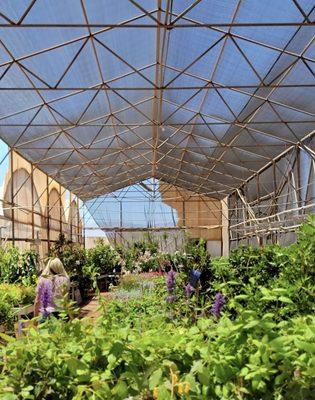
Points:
x=7 y=338
x=121 y=389
x=155 y=378
x=9 y=396
x=306 y=346
x=76 y=366
x=204 y=377
x=241 y=297
x=164 y=394
x=285 y=299
x=251 y=324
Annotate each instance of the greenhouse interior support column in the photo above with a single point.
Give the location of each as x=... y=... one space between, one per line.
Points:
x=274 y=208
x=32 y=199
x=78 y=220
x=70 y=216
x=83 y=225
x=48 y=213
x=121 y=214
x=60 y=210
x=225 y=241
x=12 y=198
x=259 y=237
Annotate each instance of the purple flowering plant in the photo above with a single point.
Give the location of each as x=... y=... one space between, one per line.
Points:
x=170 y=284
x=218 y=303
x=45 y=291
x=189 y=290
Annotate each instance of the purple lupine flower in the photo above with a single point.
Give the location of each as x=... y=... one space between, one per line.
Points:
x=21 y=326
x=189 y=290
x=45 y=291
x=171 y=298
x=218 y=304
x=170 y=281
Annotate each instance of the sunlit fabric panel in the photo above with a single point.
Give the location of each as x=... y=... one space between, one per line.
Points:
x=102 y=94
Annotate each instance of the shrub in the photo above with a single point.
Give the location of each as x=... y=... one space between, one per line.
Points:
x=146 y=357
x=271 y=278
x=17 y=266
x=141 y=256
x=12 y=296
x=103 y=259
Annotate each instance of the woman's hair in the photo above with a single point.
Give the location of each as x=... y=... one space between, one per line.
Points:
x=54 y=267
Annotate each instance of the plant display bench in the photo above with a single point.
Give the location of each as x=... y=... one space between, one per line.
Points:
x=24 y=318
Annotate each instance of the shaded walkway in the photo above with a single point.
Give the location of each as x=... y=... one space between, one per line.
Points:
x=90 y=309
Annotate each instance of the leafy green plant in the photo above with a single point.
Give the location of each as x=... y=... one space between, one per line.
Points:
x=303 y=252
x=17 y=266
x=9 y=264
x=141 y=256
x=197 y=256
x=103 y=259
x=133 y=352
x=74 y=259
x=262 y=346
x=29 y=268
x=11 y=297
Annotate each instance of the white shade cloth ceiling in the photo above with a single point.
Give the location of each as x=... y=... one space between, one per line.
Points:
x=102 y=94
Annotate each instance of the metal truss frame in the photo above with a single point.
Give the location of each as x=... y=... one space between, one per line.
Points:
x=159 y=135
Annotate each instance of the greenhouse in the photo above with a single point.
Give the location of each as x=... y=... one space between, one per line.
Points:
x=157 y=199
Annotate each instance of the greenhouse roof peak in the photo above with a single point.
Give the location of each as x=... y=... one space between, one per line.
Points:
x=200 y=94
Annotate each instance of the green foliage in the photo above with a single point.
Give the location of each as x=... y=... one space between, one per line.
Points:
x=57 y=248
x=262 y=348
x=17 y=266
x=103 y=259
x=131 y=281
x=134 y=352
x=18 y=275
x=9 y=264
x=197 y=256
x=141 y=256
x=29 y=268
x=145 y=245
x=74 y=258
x=72 y=255
x=12 y=296
x=269 y=279
x=303 y=252
x=134 y=286
x=261 y=263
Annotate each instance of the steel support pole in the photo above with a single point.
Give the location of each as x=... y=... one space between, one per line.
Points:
x=48 y=213
x=32 y=199
x=12 y=198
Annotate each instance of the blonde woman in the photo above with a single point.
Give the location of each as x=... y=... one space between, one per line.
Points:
x=53 y=285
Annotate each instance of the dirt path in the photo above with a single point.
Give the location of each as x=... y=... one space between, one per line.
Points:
x=90 y=309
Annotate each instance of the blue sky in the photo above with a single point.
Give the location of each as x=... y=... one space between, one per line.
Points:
x=5 y=163
x=141 y=207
